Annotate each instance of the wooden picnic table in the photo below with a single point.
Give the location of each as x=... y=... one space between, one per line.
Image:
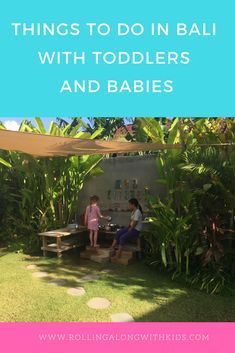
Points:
x=60 y=243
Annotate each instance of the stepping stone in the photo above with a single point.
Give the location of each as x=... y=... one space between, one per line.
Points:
x=57 y=282
x=98 y=303
x=101 y=259
x=122 y=317
x=78 y=292
x=31 y=267
x=100 y=255
x=126 y=258
x=88 y=278
x=92 y=248
x=107 y=270
x=85 y=255
x=40 y=274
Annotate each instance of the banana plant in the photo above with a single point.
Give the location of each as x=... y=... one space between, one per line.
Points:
x=5 y=163
x=44 y=192
x=170 y=237
x=200 y=189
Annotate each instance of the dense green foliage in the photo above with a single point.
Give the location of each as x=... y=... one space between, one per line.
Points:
x=39 y=194
x=193 y=232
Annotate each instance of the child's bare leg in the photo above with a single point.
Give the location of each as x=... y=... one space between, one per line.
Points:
x=91 y=237
x=95 y=237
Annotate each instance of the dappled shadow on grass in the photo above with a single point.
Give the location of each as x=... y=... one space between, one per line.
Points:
x=173 y=302
x=142 y=283
x=169 y=301
x=186 y=309
x=68 y=268
x=3 y=252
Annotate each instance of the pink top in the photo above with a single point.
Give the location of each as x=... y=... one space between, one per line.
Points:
x=92 y=217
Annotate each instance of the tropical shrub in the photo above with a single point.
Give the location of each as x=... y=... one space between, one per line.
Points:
x=42 y=193
x=197 y=213
x=170 y=236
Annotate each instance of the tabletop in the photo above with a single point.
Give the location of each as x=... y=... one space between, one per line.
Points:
x=62 y=232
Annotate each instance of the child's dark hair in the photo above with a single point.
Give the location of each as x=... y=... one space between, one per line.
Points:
x=93 y=199
x=135 y=202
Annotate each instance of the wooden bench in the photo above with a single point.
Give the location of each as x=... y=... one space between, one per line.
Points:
x=135 y=246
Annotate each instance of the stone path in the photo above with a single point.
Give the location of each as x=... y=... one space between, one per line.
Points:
x=76 y=291
x=98 y=303
x=122 y=317
x=107 y=270
x=57 y=282
x=31 y=267
x=39 y=274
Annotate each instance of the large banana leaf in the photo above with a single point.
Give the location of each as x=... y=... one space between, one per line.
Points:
x=7 y=164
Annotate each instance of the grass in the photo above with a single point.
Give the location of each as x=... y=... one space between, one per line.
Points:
x=135 y=289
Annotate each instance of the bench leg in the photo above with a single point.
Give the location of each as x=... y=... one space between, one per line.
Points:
x=58 y=241
x=44 y=244
x=139 y=255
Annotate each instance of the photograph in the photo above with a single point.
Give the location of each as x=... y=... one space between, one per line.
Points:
x=117 y=176
x=126 y=219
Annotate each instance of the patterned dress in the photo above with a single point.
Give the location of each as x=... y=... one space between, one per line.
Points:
x=92 y=216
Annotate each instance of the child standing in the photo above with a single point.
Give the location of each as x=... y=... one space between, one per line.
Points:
x=92 y=216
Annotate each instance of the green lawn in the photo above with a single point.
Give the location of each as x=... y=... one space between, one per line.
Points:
x=135 y=289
